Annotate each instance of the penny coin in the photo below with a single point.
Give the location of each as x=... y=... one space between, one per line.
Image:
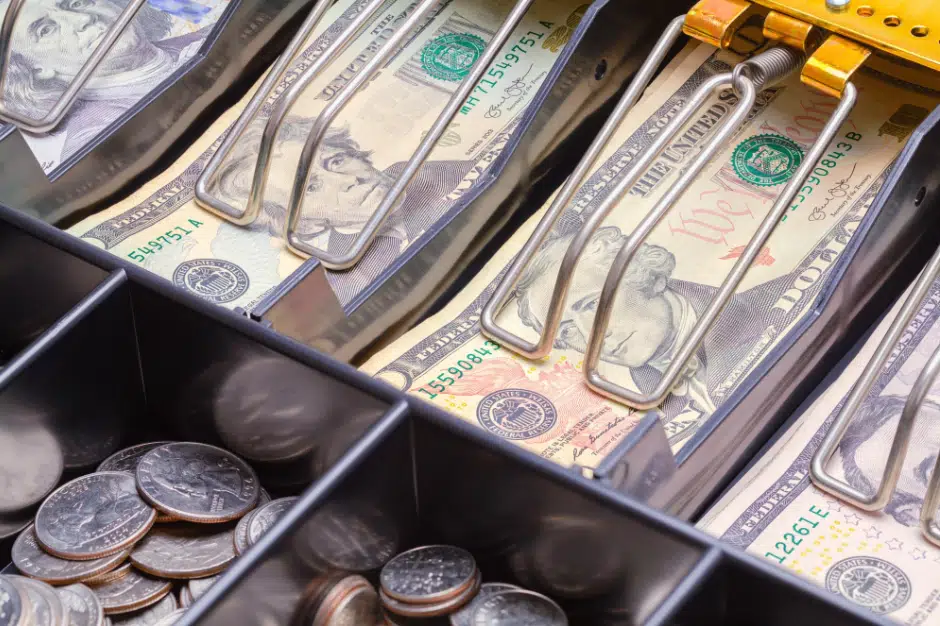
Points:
x=350 y=602
x=518 y=608
x=130 y=592
x=197 y=482
x=265 y=517
x=93 y=516
x=126 y=460
x=31 y=464
x=35 y=562
x=463 y=616
x=149 y=616
x=170 y=619
x=428 y=574
x=199 y=586
x=14 y=604
x=436 y=609
x=46 y=605
x=241 y=533
x=348 y=538
x=184 y=551
x=82 y=605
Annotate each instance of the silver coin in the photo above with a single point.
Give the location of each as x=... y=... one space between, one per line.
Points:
x=263 y=497
x=31 y=464
x=13 y=603
x=186 y=597
x=93 y=516
x=351 y=602
x=82 y=605
x=198 y=586
x=353 y=539
x=149 y=616
x=126 y=460
x=35 y=562
x=265 y=517
x=428 y=574
x=241 y=533
x=47 y=608
x=172 y=618
x=197 y=482
x=12 y=524
x=464 y=616
x=184 y=550
x=518 y=608
x=131 y=592
x=431 y=609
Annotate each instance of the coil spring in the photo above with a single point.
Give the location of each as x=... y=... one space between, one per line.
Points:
x=769 y=67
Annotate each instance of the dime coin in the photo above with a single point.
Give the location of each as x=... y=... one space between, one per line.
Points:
x=170 y=619
x=463 y=617
x=47 y=608
x=13 y=604
x=353 y=539
x=126 y=460
x=35 y=562
x=199 y=586
x=241 y=533
x=428 y=574
x=518 y=608
x=130 y=592
x=31 y=464
x=197 y=482
x=264 y=518
x=93 y=516
x=436 y=609
x=184 y=551
x=150 y=615
x=82 y=605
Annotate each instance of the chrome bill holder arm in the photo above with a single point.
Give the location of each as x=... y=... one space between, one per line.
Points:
x=902 y=437
x=61 y=106
x=370 y=230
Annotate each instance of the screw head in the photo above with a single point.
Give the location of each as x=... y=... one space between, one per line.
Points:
x=837 y=5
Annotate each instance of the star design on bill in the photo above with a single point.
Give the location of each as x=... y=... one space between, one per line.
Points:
x=894 y=544
x=833 y=505
x=918 y=554
x=873 y=533
x=852 y=519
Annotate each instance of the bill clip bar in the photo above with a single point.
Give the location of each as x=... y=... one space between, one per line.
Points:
x=55 y=115
x=295 y=242
x=915 y=400
x=747 y=79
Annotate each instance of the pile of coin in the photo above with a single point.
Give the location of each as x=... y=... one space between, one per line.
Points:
x=426 y=585
x=153 y=518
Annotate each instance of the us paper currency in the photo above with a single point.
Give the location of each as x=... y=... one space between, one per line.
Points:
x=879 y=560
x=545 y=406
x=162 y=228
x=53 y=39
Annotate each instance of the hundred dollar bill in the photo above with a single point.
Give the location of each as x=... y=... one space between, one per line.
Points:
x=545 y=406
x=53 y=39
x=162 y=227
x=879 y=560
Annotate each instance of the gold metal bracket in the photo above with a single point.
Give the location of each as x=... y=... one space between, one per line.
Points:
x=832 y=65
x=715 y=21
x=791 y=32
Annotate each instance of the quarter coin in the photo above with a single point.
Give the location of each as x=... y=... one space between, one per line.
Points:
x=198 y=586
x=13 y=604
x=35 y=562
x=82 y=605
x=428 y=575
x=197 y=482
x=264 y=518
x=463 y=616
x=150 y=615
x=131 y=592
x=437 y=609
x=112 y=575
x=241 y=533
x=518 y=608
x=31 y=463
x=47 y=608
x=126 y=460
x=93 y=516
x=184 y=551
x=353 y=539
x=186 y=597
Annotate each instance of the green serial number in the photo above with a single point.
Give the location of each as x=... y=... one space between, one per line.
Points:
x=801 y=528
x=159 y=243
x=444 y=380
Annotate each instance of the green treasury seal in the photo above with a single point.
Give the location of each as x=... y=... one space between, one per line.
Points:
x=450 y=57
x=766 y=160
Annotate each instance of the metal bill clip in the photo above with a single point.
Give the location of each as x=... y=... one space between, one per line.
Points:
x=747 y=79
x=360 y=246
x=61 y=106
x=902 y=437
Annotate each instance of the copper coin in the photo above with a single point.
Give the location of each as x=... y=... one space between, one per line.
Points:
x=437 y=609
x=264 y=518
x=46 y=605
x=185 y=551
x=93 y=516
x=130 y=592
x=428 y=575
x=14 y=604
x=82 y=605
x=35 y=562
x=150 y=615
x=197 y=482
x=126 y=460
